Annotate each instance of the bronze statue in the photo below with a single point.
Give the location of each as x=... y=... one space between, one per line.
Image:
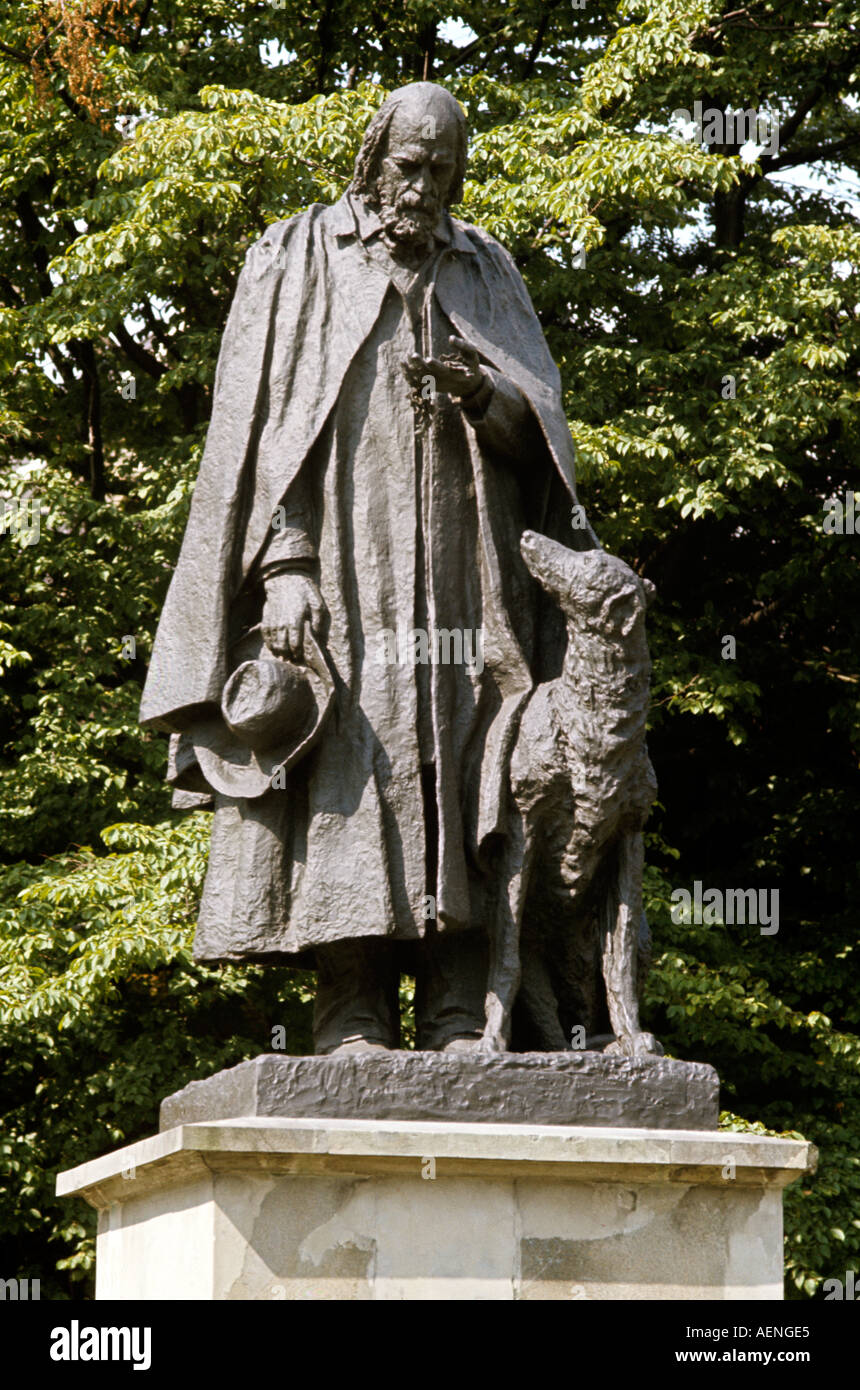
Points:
x=353 y=649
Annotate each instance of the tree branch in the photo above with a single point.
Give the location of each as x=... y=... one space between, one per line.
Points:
x=427 y=41
x=158 y=332
x=13 y=53
x=477 y=44
x=138 y=354
x=135 y=43
x=93 y=418
x=528 y=66
x=809 y=153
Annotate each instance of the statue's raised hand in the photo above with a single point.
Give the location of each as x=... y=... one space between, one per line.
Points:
x=457 y=372
x=291 y=601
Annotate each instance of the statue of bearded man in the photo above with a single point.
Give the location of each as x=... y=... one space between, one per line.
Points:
x=351 y=634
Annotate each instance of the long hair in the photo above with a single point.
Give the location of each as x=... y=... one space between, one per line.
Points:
x=375 y=144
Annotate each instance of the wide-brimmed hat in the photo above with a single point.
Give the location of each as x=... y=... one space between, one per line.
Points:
x=272 y=712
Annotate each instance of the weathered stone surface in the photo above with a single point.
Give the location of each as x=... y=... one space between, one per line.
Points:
x=389 y=1209
x=575 y=1088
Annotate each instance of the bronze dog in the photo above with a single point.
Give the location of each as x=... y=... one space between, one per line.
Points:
x=566 y=939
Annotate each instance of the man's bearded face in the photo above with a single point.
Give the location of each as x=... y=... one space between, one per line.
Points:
x=415 y=175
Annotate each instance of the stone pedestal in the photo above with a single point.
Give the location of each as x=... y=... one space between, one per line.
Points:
x=279 y=1208
x=538 y=1088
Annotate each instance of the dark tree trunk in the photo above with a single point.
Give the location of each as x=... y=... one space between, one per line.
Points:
x=93 y=418
x=729 y=212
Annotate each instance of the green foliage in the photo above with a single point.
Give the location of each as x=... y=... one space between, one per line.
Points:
x=739 y=1000
x=104 y=1013
x=144 y=147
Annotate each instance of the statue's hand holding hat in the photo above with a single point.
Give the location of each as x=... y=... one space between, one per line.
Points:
x=272 y=712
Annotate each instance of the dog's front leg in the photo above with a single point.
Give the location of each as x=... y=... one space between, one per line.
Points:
x=622 y=910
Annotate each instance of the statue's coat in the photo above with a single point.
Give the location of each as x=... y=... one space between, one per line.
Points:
x=306 y=302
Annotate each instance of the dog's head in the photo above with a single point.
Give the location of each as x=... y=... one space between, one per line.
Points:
x=594 y=590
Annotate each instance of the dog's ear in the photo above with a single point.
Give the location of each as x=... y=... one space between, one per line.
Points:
x=650 y=592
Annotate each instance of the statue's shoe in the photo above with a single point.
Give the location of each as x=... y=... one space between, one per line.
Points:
x=462 y=1045
x=356 y=1045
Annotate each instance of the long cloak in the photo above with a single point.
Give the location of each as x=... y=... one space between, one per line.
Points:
x=340 y=850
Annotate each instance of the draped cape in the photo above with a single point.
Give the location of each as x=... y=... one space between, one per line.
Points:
x=305 y=302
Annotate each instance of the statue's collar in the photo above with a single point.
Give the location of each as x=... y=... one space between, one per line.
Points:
x=351 y=217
